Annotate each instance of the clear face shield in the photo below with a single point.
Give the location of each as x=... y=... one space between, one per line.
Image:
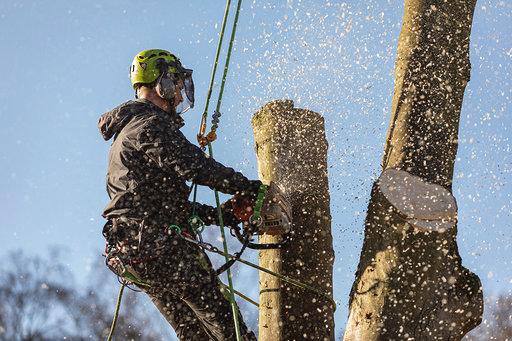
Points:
x=187 y=92
x=169 y=81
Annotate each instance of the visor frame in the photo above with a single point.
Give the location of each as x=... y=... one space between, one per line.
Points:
x=188 y=84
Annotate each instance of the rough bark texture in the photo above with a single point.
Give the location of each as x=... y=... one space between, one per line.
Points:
x=292 y=151
x=410 y=282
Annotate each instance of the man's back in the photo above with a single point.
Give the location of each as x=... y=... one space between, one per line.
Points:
x=136 y=183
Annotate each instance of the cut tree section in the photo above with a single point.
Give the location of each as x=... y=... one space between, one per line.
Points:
x=292 y=152
x=410 y=282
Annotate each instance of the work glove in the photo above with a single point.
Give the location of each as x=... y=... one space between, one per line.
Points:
x=239 y=208
x=228 y=215
x=242 y=207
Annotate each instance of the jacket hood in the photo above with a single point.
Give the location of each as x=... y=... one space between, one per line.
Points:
x=113 y=121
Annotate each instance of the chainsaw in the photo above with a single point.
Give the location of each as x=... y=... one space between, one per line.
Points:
x=272 y=216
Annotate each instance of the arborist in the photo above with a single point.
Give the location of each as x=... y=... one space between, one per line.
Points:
x=150 y=162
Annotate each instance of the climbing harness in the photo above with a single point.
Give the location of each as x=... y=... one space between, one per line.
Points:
x=232 y=258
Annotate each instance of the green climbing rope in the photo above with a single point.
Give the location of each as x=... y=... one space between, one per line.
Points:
x=228 y=57
x=284 y=278
x=243 y=296
x=116 y=313
x=234 y=307
x=204 y=116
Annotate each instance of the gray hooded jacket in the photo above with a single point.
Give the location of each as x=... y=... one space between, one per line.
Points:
x=150 y=161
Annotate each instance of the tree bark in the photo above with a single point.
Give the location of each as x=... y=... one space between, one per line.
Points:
x=410 y=283
x=292 y=151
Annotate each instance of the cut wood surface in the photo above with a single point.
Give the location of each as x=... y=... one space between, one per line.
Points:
x=425 y=206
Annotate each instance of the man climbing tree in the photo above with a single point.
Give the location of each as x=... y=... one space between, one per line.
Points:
x=150 y=161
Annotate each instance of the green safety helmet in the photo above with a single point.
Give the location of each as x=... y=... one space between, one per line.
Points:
x=146 y=66
x=164 y=69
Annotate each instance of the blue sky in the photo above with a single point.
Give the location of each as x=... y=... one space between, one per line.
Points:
x=66 y=62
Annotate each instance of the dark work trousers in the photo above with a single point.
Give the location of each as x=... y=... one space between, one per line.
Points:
x=177 y=275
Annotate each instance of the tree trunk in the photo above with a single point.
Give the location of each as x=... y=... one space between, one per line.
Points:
x=292 y=151
x=410 y=283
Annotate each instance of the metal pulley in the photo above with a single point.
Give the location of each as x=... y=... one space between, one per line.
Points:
x=203 y=139
x=215 y=120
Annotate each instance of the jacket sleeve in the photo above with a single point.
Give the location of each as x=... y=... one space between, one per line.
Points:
x=209 y=214
x=172 y=151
